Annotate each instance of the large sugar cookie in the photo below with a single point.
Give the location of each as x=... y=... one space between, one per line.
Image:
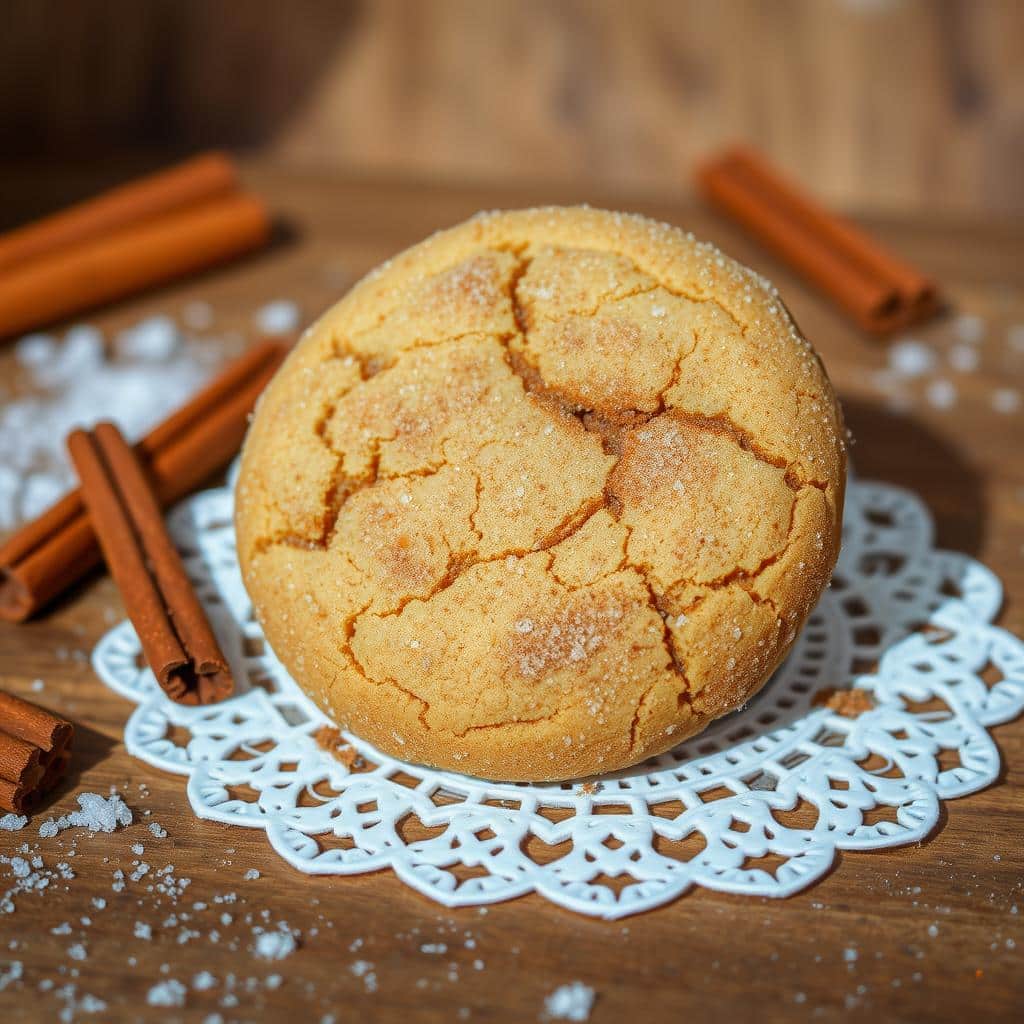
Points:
x=543 y=495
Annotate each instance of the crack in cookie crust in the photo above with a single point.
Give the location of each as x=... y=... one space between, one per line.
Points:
x=533 y=395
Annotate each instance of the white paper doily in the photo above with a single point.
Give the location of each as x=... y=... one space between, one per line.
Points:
x=758 y=803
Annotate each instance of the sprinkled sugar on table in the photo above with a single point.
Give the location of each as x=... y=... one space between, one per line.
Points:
x=172 y=916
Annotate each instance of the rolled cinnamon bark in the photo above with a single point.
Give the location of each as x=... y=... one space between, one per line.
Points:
x=20 y=761
x=32 y=724
x=142 y=255
x=880 y=291
x=35 y=749
x=857 y=248
x=195 y=181
x=176 y=637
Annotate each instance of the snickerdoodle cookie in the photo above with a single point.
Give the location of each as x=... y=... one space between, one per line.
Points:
x=543 y=495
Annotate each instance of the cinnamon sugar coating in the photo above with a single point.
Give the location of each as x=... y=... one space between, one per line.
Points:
x=543 y=495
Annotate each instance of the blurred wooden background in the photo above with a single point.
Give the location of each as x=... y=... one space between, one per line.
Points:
x=894 y=105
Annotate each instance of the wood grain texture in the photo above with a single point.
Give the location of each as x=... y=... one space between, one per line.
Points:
x=894 y=104
x=707 y=957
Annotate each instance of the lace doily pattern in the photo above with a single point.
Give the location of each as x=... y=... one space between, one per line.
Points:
x=759 y=803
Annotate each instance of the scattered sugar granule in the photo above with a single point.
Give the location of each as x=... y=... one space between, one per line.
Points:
x=38 y=492
x=99 y=902
x=154 y=339
x=35 y=350
x=963 y=358
x=91 y=1004
x=933 y=930
x=570 y=1002
x=143 y=931
x=251 y=875
x=204 y=981
x=77 y=951
x=167 y=993
x=850 y=955
x=96 y=814
x=138 y=849
x=1006 y=400
x=278 y=317
x=20 y=867
x=911 y=358
x=37 y=685
x=11 y=973
x=941 y=393
x=364 y=969
x=13 y=822
x=275 y=945
x=159 y=832
x=435 y=948
x=969 y=328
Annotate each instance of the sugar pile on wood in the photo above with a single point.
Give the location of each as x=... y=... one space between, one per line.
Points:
x=570 y=1002
x=275 y=945
x=96 y=814
x=145 y=372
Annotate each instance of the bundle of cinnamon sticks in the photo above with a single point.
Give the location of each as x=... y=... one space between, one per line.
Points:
x=150 y=231
x=35 y=747
x=117 y=513
x=142 y=234
x=176 y=637
x=880 y=291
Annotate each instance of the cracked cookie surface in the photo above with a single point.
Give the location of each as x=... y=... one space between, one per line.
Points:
x=543 y=495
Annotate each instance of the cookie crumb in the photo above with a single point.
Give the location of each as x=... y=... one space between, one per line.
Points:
x=848 y=703
x=329 y=738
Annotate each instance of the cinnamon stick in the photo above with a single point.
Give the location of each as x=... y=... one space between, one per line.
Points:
x=177 y=639
x=204 y=177
x=880 y=291
x=50 y=554
x=35 y=748
x=127 y=261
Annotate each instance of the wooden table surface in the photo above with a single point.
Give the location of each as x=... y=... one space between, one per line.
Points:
x=913 y=105
x=934 y=928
